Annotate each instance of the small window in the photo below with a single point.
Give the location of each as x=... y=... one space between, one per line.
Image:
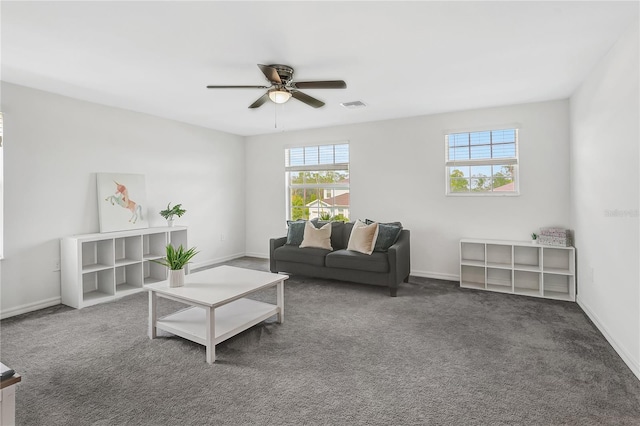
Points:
x=482 y=163
x=318 y=182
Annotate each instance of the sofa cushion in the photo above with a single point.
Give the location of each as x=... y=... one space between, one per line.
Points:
x=295 y=232
x=346 y=233
x=388 y=234
x=363 y=237
x=309 y=255
x=317 y=237
x=337 y=229
x=369 y=221
x=345 y=259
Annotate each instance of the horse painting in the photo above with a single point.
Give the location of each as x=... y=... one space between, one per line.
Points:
x=122 y=199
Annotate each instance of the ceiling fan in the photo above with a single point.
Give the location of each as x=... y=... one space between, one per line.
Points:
x=283 y=87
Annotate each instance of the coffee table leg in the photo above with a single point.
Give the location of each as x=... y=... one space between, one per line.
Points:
x=280 y=300
x=152 y=314
x=211 y=335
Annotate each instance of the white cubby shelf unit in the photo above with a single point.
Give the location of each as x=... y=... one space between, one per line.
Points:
x=102 y=267
x=518 y=267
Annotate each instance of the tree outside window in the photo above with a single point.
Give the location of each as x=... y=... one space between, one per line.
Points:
x=482 y=163
x=318 y=182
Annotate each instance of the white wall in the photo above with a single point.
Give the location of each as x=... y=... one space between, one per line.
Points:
x=53 y=148
x=604 y=181
x=397 y=173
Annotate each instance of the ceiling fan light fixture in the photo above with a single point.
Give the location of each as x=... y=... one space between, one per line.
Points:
x=279 y=96
x=283 y=87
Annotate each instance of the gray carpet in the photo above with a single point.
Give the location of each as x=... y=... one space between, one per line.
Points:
x=346 y=354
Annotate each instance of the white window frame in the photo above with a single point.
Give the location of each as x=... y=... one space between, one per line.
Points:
x=503 y=161
x=334 y=166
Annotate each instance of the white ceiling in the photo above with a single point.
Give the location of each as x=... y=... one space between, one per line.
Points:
x=400 y=58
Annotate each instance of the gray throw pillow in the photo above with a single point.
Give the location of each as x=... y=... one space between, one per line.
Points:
x=295 y=233
x=388 y=234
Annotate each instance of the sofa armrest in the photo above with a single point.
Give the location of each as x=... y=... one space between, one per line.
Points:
x=274 y=243
x=400 y=259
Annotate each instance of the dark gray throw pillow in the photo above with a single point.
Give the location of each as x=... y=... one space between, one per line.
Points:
x=295 y=233
x=388 y=234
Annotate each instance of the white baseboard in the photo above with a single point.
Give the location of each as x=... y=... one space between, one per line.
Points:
x=258 y=255
x=197 y=265
x=30 y=307
x=633 y=365
x=424 y=274
x=435 y=275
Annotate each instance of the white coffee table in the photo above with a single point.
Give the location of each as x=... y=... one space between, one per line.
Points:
x=219 y=309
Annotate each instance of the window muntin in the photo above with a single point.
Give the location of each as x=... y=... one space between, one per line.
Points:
x=482 y=163
x=318 y=182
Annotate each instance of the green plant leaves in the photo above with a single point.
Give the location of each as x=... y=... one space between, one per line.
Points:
x=177 y=258
x=169 y=212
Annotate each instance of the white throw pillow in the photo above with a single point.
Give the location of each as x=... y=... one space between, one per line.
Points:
x=318 y=238
x=363 y=237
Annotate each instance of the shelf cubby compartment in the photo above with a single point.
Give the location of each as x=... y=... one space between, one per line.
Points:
x=558 y=260
x=128 y=278
x=558 y=286
x=518 y=267
x=526 y=283
x=472 y=277
x=97 y=285
x=472 y=254
x=178 y=238
x=154 y=245
x=102 y=267
x=153 y=272
x=97 y=255
x=499 y=256
x=499 y=280
x=526 y=258
x=128 y=250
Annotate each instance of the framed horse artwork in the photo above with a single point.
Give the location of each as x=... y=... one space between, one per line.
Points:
x=122 y=201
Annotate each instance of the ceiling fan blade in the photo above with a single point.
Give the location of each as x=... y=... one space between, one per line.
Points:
x=330 y=84
x=237 y=87
x=271 y=73
x=262 y=99
x=307 y=99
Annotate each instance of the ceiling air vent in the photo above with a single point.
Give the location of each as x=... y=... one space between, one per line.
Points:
x=353 y=105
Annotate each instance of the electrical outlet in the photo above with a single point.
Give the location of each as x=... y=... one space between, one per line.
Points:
x=222 y=237
x=56 y=266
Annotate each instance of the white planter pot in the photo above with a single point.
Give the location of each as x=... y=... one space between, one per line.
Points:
x=176 y=278
x=169 y=222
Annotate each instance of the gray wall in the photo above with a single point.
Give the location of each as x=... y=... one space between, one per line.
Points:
x=605 y=159
x=397 y=174
x=53 y=148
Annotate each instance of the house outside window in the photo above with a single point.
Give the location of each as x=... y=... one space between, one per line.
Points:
x=318 y=182
x=482 y=163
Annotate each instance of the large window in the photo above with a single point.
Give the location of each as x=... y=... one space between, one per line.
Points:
x=318 y=182
x=482 y=163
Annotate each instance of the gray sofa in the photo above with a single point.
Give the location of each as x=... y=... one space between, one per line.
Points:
x=383 y=268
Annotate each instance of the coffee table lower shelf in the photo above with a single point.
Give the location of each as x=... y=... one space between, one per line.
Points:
x=230 y=319
x=219 y=305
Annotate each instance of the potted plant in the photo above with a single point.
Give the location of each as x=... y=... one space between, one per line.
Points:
x=534 y=238
x=176 y=259
x=170 y=212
